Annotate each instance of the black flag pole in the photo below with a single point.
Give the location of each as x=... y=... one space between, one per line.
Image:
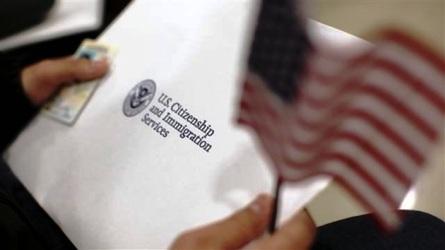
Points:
x=275 y=207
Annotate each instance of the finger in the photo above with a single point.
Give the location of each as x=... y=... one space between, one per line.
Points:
x=60 y=71
x=232 y=232
x=297 y=233
x=245 y=225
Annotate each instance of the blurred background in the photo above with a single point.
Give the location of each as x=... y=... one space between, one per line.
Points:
x=359 y=17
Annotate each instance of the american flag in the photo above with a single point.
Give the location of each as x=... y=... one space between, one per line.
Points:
x=369 y=121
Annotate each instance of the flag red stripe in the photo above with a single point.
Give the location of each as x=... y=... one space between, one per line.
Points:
x=265 y=108
x=333 y=134
x=345 y=112
x=364 y=202
x=375 y=122
x=397 y=71
x=354 y=166
x=359 y=141
x=325 y=156
x=332 y=78
x=414 y=82
x=357 y=88
x=414 y=46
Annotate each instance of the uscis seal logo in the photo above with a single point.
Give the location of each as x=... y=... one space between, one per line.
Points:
x=139 y=97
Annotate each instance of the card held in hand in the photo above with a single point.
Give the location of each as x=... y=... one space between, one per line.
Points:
x=69 y=103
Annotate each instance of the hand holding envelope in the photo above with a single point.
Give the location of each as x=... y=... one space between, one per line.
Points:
x=42 y=80
x=112 y=181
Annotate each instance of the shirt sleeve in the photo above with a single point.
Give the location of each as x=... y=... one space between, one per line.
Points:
x=16 y=110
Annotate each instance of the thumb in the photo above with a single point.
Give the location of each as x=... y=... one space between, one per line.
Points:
x=231 y=233
x=65 y=70
x=43 y=79
x=297 y=233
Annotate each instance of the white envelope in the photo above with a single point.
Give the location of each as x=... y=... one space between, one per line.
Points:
x=112 y=181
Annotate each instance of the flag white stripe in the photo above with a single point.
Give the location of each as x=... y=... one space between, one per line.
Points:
x=358 y=127
x=361 y=128
x=415 y=65
x=409 y=97
x=377 y=109
x=379 y=78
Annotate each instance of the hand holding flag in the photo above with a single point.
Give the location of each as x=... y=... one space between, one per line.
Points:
x=368 y=121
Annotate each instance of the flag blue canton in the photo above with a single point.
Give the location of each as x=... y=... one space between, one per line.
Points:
x=279 y=50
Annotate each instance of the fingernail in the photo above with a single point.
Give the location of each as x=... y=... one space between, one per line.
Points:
x=99 y=64
x=260 y=204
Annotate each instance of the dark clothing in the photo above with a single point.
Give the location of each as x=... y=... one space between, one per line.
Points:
x=16 y=109
x=420 y=231
x=23 y=223
x=17 y=15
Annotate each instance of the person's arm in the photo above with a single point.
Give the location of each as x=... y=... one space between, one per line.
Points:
x=15 y=108
x=22 y=92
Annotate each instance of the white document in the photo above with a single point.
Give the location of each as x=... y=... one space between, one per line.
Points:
x=116 y=181
x=67 y=17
